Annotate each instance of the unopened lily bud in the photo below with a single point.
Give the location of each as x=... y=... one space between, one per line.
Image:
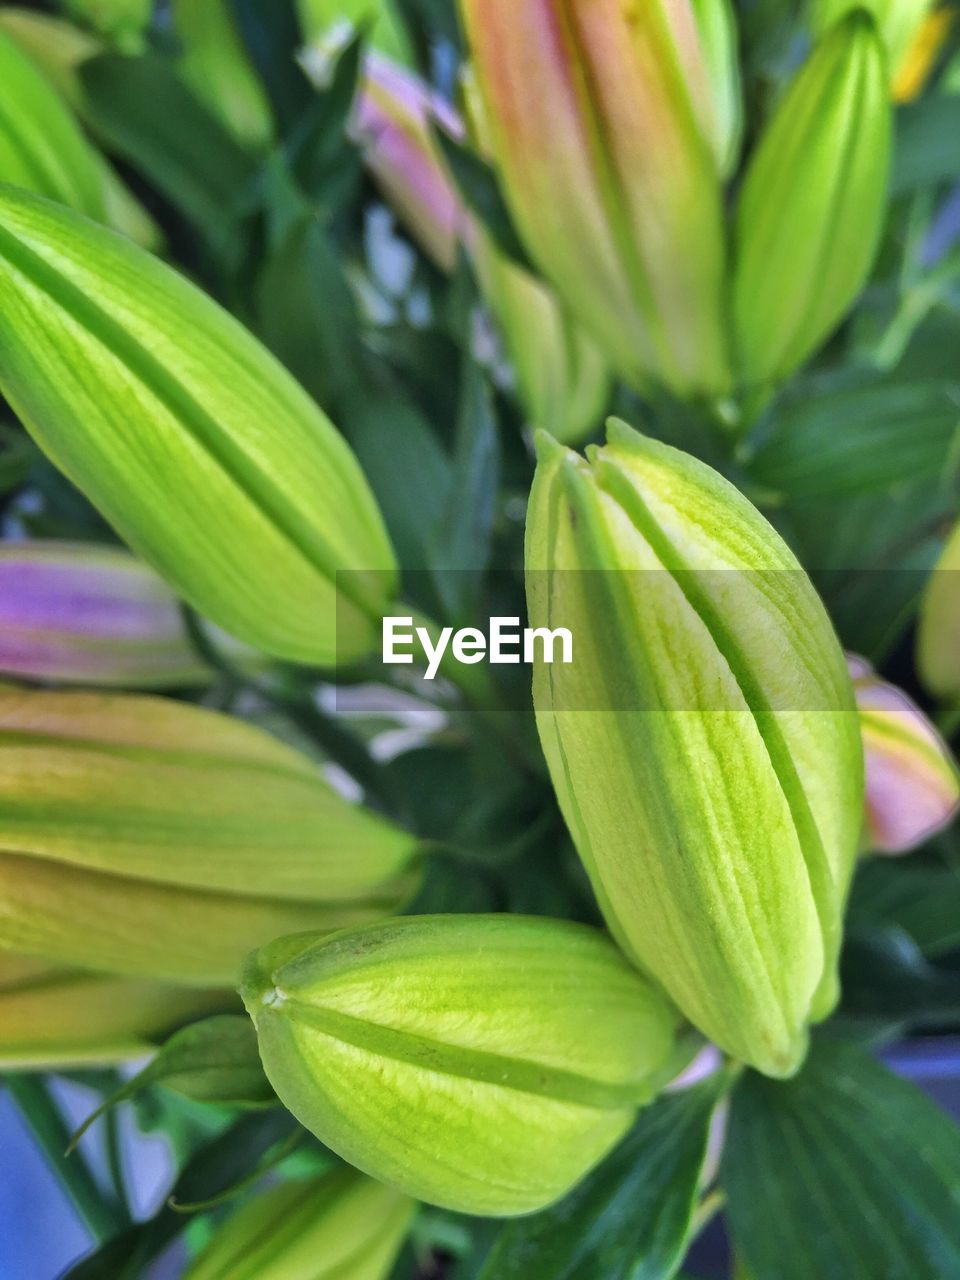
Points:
x=898 y=22
x=912 y=784
x=150 y=837
x=41 y=146
x=341 y=1225
x=717 y=27
x=76 y=613
x=217 y=67
x=812 y=205
x=600 y=115
x=192 y=440
x=55 y=1017
x=123 y=22
x=509 y=1053
x=703 y=743
x=938 y=646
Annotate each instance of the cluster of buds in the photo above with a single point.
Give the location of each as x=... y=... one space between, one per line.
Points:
x=135 y=832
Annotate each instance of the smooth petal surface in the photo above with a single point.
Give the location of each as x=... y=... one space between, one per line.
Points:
x=812 y=204
x=912 y=784
x=596 y=113
x=78 y=613
x=41 y=146
x=482 y=1063
x=938 y=646
x=339 y=1227
x=55 y=1018
x=704 y=744
x=194 y=442
x=169 y=793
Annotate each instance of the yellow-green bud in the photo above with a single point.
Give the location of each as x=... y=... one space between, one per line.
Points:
x=897 y=20
x=938 y=646
x=704 y=742
x=482 y=1063
x=218 y=69
x=121 y=21
x=53 y=1017
x=812 y=205
x=153 y=838
x=339 y=1227
x=41 y=146
x=195 y=443
x=57 y=48
x=717 y=27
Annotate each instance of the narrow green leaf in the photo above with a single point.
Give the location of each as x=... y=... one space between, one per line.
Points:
x=628 y=1220
x=885 y=978
x=920 y=898
x=215 y=1060
x=479 y=187
x=843 y=1173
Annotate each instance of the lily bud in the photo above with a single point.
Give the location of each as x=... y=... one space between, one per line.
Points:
x=717 y=28
x=54 y=1018
x=41 y=146
x=217 y=68
x=149 y=837
x=72 y=612
x=342 y=1224
x=812 y=205
x=898 y=22
x=704 y=743
x=938 y=646
x=55 y=47
x=192 y=440
x=600 y=115
x=912 y=785
x=509 y=1053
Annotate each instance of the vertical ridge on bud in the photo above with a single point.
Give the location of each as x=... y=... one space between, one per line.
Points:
x=594 y=113
x=720 y=829
x=912 y=783
x=812 y=204
x=233 y=485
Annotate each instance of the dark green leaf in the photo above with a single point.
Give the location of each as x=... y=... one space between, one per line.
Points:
x=928 y=143
x=271 y=33
x=143 y=112
x=477 y=183
x=325 y=163
x=213 y=1169
x=862 y=439
x=845 y=1172
x=17 y=455
x=629 y=1219
x=885 y=978
x=922 y=899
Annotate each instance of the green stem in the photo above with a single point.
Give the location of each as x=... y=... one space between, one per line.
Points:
x=31 y=1095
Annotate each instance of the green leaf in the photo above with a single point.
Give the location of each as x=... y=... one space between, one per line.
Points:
x=928 y=143
x=628 y=1220
x=885 y=978
x=271 y=33
x=17 y=456
x=477 y=183
x=216 y=1167
x=215 y=1061
x=861 y=439
x=921 y=899
x=142 y=112
x=843 y=1173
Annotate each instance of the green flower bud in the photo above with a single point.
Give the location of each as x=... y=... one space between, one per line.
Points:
x=154 y=838
x=897 y=20
x=339 y=1227
x=41 y=146
x=217 y=67
x=938 y=645
x=717 y=26
x=481 y=1063
x=704 y=743
x=194 y=442
x=812 y=205
x=54 y=1018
